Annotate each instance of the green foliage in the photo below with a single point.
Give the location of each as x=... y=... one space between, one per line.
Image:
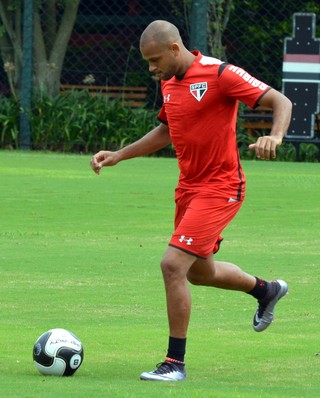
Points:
x=286 y=152
x=80 y=122
x=76 y=122
x=256 y=34
x=9 y=122
x=308 y=152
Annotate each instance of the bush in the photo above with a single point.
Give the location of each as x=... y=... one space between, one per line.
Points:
x=77 y=122
x=80 y=122
x=9 y=122
x=286 y=152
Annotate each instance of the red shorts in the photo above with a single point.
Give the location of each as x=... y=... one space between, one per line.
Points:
x=200 y=218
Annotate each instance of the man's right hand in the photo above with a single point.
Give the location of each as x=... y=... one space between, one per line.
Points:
x=102 y=159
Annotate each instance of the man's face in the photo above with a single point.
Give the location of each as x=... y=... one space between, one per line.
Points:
x=162 y=60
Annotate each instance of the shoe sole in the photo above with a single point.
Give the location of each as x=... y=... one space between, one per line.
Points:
x=268 y=314
x=156 y=377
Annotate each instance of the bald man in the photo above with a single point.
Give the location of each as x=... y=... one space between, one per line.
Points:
x=198 y=116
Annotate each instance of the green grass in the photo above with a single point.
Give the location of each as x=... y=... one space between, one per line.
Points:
x=82 y=252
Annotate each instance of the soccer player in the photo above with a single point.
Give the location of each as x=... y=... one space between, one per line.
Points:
x=198 y=116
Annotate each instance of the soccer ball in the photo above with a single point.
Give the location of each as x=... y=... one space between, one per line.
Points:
x=57 y=352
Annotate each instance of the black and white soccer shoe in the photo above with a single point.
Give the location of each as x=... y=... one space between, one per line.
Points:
x=166 y=371
x=263 y=317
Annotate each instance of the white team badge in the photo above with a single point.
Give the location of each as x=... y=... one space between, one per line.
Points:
x=198 y=90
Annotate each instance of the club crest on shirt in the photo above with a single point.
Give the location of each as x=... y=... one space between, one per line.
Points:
x=198 y=90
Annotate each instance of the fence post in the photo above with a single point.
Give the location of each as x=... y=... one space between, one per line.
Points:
x=26 y=77
x=199 y=16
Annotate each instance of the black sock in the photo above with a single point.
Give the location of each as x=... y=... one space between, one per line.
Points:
x=177 y=349
x=260 y=289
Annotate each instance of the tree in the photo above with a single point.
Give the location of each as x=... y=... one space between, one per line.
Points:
x=53 y=24
x=218 y=18
x=256 y=35
x=218 y=12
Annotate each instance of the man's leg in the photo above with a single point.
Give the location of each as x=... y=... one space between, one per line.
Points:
x=175 y=265
x=199 y=226
x=178 y=268
x=220 y=274
x=229 y=276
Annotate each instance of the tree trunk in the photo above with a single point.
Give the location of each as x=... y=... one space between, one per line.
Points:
x=218 y=18
x=10 y=44
x=50 y=42
x=62 y=39
x=49 y=58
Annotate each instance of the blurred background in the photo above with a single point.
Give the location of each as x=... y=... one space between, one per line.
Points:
x=48 y=43
x=104 y=36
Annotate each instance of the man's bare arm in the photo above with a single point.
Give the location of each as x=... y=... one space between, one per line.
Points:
x=266 y=146
x=156 y=139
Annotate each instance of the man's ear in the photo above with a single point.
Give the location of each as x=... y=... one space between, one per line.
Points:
x=175 y=48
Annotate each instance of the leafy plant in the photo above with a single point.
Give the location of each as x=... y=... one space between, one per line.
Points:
x=308 y=152
x=256 y=32
x=80 y=122
x=9 y=122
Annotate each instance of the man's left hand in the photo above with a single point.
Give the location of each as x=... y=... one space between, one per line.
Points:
x=266 y=146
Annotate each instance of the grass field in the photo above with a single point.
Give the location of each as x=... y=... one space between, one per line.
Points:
x=82 y=252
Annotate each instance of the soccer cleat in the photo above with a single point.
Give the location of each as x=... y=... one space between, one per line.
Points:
x=264 y=314
x=166 y=371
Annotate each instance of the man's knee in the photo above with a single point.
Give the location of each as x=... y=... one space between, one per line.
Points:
x=169 y=267
x=176 y=263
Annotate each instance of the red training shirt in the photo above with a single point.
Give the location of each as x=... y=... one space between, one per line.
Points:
x=200 y=109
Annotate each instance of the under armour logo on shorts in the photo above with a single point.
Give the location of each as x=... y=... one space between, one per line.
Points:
x=184 y=239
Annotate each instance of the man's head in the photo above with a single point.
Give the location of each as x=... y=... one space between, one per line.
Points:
x=161 y=46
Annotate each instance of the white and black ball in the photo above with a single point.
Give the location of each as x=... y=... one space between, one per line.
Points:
x=57 y=352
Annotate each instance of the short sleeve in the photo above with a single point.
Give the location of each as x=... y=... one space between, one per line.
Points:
x=235 y=82
x=162 y=116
